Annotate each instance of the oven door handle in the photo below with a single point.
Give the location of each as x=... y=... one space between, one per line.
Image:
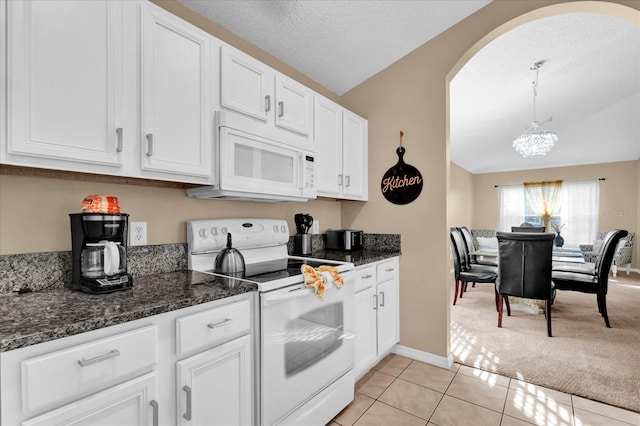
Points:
x=272 y=299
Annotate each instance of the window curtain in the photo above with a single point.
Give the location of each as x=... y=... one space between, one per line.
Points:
x=511 y=206
x=544 y=199
x=580 y=202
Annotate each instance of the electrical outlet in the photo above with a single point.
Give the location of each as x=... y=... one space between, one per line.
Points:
x=138 y=233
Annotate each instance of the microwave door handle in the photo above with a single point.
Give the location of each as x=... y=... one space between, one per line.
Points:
x=300 y=170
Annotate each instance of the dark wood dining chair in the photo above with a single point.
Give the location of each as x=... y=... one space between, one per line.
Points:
x=524 y=269
x=591 y=277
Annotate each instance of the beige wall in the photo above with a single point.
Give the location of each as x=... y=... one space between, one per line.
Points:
x=34 y=211
x=461 y=197
x=410 y=95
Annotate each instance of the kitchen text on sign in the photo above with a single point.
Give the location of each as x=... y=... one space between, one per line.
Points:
x=392 y=183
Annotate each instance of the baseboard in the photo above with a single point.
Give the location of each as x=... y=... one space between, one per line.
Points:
x=426 y=357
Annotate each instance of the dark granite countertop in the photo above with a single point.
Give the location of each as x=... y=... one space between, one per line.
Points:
x=358 y=258
x=37 y=317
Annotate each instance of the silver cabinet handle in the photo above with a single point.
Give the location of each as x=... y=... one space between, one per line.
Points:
x=339 y=180
x=149 y=145
x=366 y=277
x=348 y=181
x=154 y=405
x=220 y=323
x=375 y=302
x=187 y=415
x=389 y=269
x=119 y=133
x=382 y=298
x=267 y=103
x=111 y=354
x=281 y=109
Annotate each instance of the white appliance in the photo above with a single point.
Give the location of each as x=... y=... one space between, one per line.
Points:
x=252 y=167
x=306 y=347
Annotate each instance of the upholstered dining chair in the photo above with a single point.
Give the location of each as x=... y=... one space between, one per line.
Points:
x=474 y=260
x=591 y=277
x=463 y=273
x=524 y=269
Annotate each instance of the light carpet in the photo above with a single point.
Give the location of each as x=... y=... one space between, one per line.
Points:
x=583 y=357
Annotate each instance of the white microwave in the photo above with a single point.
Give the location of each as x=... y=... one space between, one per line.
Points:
x=248 y=166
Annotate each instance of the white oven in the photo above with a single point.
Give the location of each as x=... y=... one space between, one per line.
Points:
x=250 y=166
x=307 y=345
x=305 y=348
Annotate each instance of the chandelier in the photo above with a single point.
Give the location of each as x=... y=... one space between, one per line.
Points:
x=535 y=141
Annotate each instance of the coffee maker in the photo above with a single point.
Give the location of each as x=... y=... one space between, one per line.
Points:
x=99 y=252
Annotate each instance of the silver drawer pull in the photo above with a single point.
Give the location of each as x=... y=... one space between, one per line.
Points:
x=119 y=133
x=112 y=354
x=267 y=103
x=149 y=144
x=187 y=415
x=382 y=297
x=389 y=270
x=219 y=324
x=281 y=108
x=366 y=277
x=154 y=405
x=375 y=302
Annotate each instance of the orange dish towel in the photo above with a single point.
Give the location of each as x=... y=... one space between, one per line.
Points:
x=317 y=278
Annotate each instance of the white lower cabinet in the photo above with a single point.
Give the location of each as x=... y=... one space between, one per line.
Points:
x=194 y=364
x=377 y=313
x=131 y=403
x=214 y=387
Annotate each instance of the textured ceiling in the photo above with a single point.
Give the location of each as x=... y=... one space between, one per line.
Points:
x=589 y=84
x=337 y=43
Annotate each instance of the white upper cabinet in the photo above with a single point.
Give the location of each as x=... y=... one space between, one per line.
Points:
x=341 y=142
x=328 y=141
x=354 y=156
x=65 y=84
x=254 y=89
x=176 y=91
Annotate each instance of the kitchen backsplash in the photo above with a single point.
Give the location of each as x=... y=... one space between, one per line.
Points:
x=41 y=271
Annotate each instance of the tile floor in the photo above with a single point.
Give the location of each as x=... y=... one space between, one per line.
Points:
x=400 y=391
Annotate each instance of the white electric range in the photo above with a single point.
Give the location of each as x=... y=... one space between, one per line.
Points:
x=306 y=345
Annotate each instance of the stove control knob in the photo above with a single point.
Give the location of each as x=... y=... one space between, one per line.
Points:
x=283 y=228
x=203 y=233
x=275 y=228
x=224 y=230
x=214 y=231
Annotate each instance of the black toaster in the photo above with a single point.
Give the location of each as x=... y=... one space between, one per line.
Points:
x=345 y=239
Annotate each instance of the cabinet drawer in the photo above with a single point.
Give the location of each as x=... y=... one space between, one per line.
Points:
x=367 y=278
x=386 y=270
x=212 y=326
x=60 y=375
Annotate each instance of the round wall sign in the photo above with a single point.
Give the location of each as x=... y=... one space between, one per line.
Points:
x=402 y=183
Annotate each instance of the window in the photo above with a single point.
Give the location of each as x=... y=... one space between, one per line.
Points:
x=578 y=210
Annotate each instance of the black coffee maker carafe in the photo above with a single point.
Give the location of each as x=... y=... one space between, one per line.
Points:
x=99 y=252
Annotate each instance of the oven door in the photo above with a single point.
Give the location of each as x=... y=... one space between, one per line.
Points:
x=306 y=344
x=251 y=163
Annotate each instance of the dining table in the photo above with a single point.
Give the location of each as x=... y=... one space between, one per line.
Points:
x=559 y=254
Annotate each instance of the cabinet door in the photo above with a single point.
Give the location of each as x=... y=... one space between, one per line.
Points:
x=214 y=387
x=328 y=141
x=366 y=343
x=131 y=403
x=294 y=106
x=246 y=84
x=176 y=112
x=387 y=316
x=354 y=162
x=65 y=82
